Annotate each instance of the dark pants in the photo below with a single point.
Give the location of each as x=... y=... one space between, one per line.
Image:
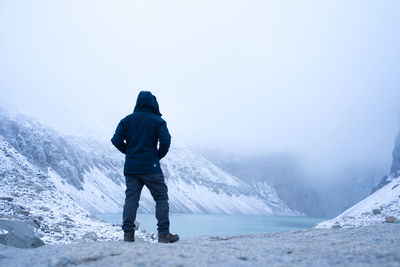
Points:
x=158 y=189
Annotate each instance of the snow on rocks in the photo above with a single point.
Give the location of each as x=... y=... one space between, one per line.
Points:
x=191 y=179
x=29 y=195
x=383 y=206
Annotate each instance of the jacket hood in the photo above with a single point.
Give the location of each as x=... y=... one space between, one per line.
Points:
x=147 y=102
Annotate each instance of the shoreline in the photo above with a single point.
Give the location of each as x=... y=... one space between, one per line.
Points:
x=368 y=245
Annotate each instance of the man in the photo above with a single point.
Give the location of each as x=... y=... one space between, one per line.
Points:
x=137 y=136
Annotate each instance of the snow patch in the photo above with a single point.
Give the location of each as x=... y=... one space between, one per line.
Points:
x=99 y=194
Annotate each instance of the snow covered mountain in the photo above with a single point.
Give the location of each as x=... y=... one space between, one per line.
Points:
x=90 y=173
x=197 y=186
x=382 y=206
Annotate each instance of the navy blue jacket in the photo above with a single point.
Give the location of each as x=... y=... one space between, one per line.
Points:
x=138 y=134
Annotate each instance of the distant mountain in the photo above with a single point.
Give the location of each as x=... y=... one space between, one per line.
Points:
x=315 y=194
x=198 y=186
x=278 y=170
x=90 y=173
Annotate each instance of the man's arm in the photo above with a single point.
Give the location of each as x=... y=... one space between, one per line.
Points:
x=118 y=140
x=165 y=141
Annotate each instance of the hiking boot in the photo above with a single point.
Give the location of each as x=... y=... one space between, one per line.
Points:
x=168 y=238
x=129 y=236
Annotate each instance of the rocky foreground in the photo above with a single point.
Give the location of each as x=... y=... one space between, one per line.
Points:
x=371 y=245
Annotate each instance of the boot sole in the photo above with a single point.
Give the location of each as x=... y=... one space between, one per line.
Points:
x=168 y=242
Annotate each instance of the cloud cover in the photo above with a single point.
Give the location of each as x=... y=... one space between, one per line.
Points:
x=317 y=78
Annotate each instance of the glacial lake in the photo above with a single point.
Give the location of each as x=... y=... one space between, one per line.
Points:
x=196 y=225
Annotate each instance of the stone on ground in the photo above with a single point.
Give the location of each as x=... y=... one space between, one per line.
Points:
x=18 y=234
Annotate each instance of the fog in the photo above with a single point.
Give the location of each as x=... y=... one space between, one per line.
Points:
x=319 y=79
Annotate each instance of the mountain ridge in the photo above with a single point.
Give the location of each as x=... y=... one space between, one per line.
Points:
x=91 y=173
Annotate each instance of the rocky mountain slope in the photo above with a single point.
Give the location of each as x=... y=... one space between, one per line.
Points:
x=69 y=157
x=382 y=206
x=90 y=173
x=395 y=169
x=29 y=194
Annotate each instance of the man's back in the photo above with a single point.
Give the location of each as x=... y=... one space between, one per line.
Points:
x=138 y=134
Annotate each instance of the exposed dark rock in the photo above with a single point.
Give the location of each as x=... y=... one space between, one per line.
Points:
x=390 y=219
x=384 y=181
x=376 y=211
x=24 y=212
x=90 y=236
x=19 y=235
x=6 y=198
x=66 y=217
x=394 y=170
x=38 y=188
x=37 y=222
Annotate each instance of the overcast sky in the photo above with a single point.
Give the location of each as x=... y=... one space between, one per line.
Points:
x=316 y=78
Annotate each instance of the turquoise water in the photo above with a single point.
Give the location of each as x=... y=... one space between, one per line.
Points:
x=195 y=225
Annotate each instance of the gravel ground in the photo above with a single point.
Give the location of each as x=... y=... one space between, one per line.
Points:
x=372 y=245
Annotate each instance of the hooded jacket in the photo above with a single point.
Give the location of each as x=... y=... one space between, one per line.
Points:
x=138 y=134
